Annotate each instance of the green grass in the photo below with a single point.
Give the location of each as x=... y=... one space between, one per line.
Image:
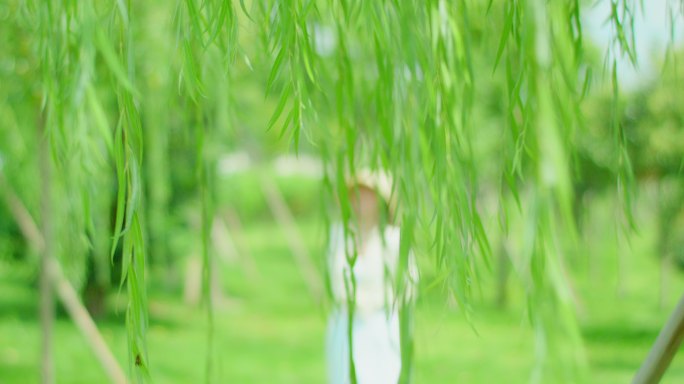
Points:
x=272 y=331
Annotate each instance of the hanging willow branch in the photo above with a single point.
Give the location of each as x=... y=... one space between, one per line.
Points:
x=207 y=32
x=419 y=56
x=128 y=154
x=385 y=84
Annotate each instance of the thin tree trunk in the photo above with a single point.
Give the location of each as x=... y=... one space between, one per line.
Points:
x=192 y=291
x=227 y=249
x=503 y=272
x=283 y=215
x=157 y=185
x=662 y=297
x=664 y=348
x=620 y=284
x=66 y=293
x=85 y=323
x=47 y=300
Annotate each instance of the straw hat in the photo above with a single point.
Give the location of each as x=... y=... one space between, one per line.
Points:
x=379 y=181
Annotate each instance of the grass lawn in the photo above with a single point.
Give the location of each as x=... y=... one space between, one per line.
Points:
x=271 y=331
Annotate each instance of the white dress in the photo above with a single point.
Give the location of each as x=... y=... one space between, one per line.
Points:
x=375 y=331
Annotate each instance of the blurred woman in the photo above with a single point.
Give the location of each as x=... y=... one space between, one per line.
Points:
x=368 y=288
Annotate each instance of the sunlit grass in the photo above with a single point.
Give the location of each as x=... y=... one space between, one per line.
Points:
x=271 y=330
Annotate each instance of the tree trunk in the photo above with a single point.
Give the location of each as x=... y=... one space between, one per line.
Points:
x=47 y=300
x=502 y=274
x=52 y=272
x=664 y=265
x=664 y=348
x=287 y=222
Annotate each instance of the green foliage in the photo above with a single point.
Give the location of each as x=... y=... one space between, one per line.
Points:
x=139 y=99
x=651 y=120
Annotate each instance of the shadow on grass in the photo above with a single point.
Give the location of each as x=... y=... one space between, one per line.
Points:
x=20 y=373
x=21 y=302
x=620 y=334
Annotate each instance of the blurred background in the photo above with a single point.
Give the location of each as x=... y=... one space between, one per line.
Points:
x=268 y=235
